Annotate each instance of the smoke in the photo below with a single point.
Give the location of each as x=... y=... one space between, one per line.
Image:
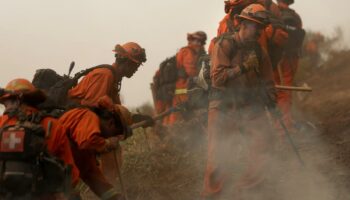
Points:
x=259 y=163
x=294 y=181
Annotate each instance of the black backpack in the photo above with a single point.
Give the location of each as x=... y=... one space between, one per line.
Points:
x=57 y=86
x=26 y=169
x=167 y=79
x=296 y=35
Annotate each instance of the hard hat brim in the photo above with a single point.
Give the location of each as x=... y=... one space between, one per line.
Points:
x=34 y=97
x=241 y=17
x=121 y=51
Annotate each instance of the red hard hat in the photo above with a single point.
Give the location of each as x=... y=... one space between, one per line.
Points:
x=26 y=90
x=255 y=13
x=289 y=2
x=200 y=35
x=132 y=51
x=231 y=4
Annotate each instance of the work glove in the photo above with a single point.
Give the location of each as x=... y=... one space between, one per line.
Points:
x=250 y=63
x=136 y=118
x=191 y=82
x=112 y=143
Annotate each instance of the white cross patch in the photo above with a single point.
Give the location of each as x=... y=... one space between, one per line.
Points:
x=12 y=141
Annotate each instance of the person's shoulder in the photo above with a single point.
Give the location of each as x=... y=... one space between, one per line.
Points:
x=80 y=112
x=184 y=49
x=3 y=119
x=226 y=18
x=226 y=39
x=102 y=70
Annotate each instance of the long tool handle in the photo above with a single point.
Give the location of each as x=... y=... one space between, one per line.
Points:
x=291 y=142
x=293 y=88
x=156 y=118
x=120 y=175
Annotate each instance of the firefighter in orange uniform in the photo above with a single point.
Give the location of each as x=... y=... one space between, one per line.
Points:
x=106 y=82
x=242 y=86
x=187 y=65
x=20 y=101
x=95 y=131
x=312 y=49
x=288 y=65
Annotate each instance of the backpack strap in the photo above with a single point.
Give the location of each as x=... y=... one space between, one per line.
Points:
x=84 y=72
x=231 y=38
x=116 y=85
x=268 y=4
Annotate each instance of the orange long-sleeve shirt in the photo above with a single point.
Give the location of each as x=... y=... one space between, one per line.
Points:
x=186 y=60
x=57 y=143
x=226 y=56
x=96 y=84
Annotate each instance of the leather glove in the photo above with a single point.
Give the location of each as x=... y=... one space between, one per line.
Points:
x=250 y=63
x=112 y=143
x=191 y=82
x=140 y=118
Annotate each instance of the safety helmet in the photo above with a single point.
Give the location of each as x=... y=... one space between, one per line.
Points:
x=255 y=13
x=318 y=37
x=231 y=4
x=200 y=35
x=118 y=111
x=131 y=51
x=289 y=2
x=25 y=90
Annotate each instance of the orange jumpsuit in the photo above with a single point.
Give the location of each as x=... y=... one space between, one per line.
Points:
x=83 y=127
x=186 y=61
x=238 y=130
x=288 y=66
x=98 y=83
x=159 y=104
x=57 y=143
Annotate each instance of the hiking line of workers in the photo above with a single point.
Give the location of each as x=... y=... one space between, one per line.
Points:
x=258 y=46
x=58 y=135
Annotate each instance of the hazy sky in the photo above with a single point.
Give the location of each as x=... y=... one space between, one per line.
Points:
x=50 y=33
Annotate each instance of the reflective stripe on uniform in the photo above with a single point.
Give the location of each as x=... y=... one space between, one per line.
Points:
x=108 y=194
x=80 y=187
x=180 y=91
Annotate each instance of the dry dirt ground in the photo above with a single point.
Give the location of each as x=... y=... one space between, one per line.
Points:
x=154 y=171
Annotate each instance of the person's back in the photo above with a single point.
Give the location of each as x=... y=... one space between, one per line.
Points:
x=95 y=131
x=97 y=83
x=288 y=64
x=107 y=82
x=25 y=123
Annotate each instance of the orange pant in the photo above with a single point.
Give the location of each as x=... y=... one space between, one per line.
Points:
x=238 y=147
x=166 y=119
x=160 y=107
x=285 y=76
